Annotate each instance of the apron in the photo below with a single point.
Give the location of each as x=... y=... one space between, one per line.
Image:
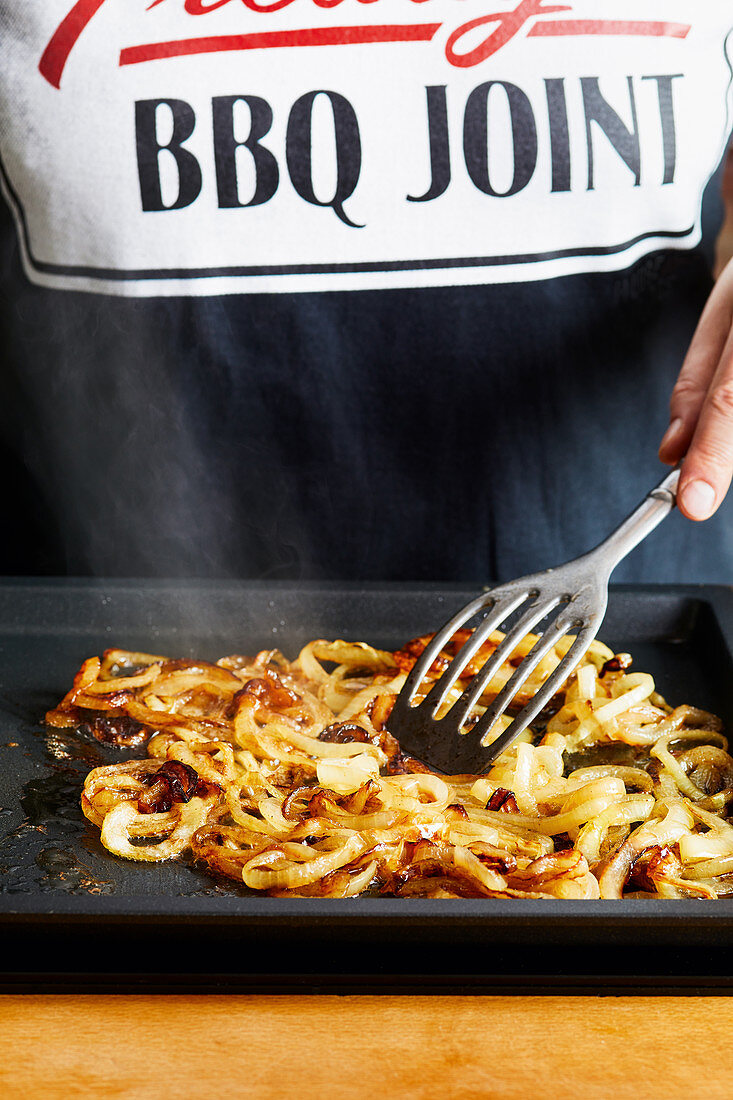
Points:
x=327 y=288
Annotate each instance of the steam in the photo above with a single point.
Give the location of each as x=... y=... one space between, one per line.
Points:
x=129 y=431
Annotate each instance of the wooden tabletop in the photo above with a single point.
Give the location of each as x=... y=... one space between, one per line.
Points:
x=350 y=1048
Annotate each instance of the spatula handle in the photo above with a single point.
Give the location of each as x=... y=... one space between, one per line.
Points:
x=652 y=510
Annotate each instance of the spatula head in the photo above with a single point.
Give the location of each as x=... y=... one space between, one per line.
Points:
x=447 y=714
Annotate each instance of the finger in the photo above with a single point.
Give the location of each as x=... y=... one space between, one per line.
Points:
x=698 y=370
x=708 y=467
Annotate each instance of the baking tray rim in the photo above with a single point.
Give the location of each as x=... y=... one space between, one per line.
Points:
x=168 y=584
x=81 y=909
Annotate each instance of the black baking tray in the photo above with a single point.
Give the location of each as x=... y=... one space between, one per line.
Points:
x=73 y=917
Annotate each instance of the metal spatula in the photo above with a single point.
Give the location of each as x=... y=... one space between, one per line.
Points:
x=568 y=600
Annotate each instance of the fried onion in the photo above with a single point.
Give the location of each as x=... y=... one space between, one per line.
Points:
x=284 y=777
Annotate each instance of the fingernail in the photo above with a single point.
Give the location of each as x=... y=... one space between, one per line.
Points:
x=699 y=499
x=671 y=433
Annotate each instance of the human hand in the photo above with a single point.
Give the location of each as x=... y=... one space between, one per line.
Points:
x=701 y=408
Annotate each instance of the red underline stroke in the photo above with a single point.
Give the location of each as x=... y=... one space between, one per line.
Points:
x=608 y=26
x=317 y=36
